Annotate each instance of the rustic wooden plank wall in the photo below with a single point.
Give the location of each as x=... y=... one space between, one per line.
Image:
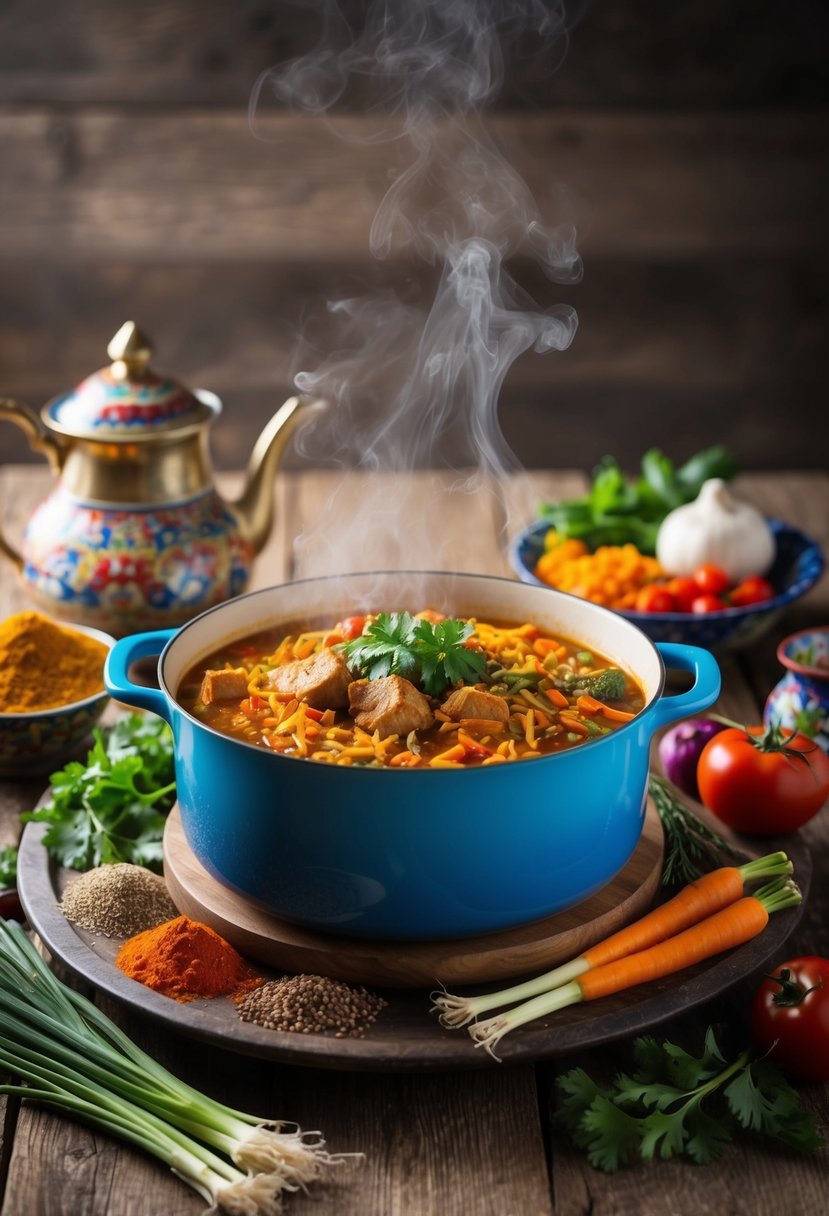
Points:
x=690 y=138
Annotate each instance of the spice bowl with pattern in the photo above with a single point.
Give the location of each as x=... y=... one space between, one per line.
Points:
x=65 y=689
x=797 y=566
x=429 y=848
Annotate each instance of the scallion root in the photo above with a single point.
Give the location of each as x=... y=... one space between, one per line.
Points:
x=453 y=1011
x=75 y=1059
x=297 y=1157
x=488 y=1034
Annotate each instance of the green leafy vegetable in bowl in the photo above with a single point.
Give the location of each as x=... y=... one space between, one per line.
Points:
x=664 y=1107
x=616 y=511
x=113 y=807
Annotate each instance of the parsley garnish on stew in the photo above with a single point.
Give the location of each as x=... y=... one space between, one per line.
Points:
x=433 y=655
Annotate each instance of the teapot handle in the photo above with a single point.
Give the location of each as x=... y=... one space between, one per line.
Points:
x=39 y=440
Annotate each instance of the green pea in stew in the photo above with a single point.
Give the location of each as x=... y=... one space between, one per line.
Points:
x=402 y=691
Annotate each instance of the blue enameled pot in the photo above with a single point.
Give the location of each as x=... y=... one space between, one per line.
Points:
x=412 y=853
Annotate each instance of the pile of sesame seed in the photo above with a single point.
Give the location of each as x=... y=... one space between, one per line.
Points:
x=312 y=1004
x=117 y=900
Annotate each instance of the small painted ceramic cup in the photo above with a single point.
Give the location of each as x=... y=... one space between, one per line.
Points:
x=801 y=698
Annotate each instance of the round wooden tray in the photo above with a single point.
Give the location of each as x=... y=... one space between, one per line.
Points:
x=405 y=1037
x=474 y=960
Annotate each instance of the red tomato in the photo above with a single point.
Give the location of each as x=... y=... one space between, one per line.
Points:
x=711 y=579
x=752 y=590
x=684 y=591
x=763 y=782
x=654 y=597
x=707 y=603
x=351 y=627
x=790 y=1017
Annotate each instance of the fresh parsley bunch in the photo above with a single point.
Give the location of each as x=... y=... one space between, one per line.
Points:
x=664 y=1108
x=430 y=654
x=113 y=807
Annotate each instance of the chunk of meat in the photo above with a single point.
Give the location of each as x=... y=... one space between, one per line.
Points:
x=224 y=685
x=391 y=705
x=469 y=702
x=321 y=681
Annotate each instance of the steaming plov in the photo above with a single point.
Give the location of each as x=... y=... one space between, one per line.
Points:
x=411 y=691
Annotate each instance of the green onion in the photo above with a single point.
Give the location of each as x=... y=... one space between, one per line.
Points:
x=72 y=1057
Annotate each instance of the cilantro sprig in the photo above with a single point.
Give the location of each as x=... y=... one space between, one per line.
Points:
x=113 y=807
x=675 y=1104
x=431 y=654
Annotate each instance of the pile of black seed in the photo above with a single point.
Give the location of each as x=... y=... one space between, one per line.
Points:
x=312 y=1004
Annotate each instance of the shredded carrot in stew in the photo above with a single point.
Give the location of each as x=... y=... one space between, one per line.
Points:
x=538 y=694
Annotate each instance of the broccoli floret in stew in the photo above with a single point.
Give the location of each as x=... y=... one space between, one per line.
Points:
x=606 y=685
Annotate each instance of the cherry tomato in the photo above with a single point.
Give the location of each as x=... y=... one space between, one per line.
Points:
x=654 y=597
x=711 y=579
x=351 y=627
x=789 y=1018
x=684 y=591
x=763 y=781
x=752 y=590
x=707 y=603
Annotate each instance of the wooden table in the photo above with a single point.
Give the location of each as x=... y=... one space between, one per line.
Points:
x=479 y=1143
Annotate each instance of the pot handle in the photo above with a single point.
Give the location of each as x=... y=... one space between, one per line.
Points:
x=116 y=669
x=703 y=692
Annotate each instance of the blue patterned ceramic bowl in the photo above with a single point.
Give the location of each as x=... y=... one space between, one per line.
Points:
x=412 y=853
x=41 y=742
x=798 y=565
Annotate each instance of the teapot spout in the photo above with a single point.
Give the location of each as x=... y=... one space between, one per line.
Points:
x=254 y=506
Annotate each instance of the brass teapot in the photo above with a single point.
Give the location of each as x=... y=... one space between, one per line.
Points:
x=134 y=535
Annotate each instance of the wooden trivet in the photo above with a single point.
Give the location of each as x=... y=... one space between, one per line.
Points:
x=265 y=938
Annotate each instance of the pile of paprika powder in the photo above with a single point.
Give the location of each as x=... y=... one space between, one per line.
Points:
x=185 y=959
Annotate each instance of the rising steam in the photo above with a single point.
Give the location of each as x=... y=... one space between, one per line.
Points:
x=410 y=384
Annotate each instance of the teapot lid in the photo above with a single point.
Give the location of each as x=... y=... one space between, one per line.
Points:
x=128 y=400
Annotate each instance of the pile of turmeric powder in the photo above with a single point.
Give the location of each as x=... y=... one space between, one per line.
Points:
x=44 y=665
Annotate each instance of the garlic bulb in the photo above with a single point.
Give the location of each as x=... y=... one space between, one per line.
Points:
x=715 y=528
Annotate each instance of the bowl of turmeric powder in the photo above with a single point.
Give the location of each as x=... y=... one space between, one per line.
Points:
x=51 y=691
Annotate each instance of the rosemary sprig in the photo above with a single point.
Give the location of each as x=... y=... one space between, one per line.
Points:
x=688 y=840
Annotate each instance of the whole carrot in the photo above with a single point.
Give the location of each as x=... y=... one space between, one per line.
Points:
x=700 y=898
x=727 y=928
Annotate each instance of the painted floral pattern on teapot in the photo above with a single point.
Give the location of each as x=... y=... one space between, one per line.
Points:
x=146 y=568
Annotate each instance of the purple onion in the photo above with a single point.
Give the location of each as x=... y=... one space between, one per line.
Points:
x=680 y=748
